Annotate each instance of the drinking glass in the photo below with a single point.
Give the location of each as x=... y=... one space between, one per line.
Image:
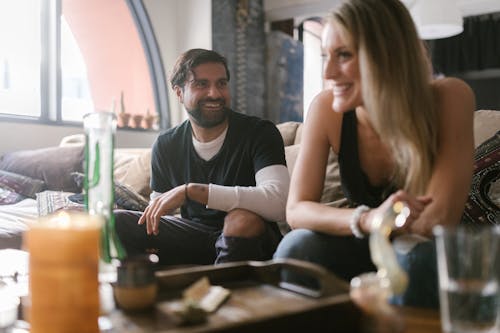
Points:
x=468 y=268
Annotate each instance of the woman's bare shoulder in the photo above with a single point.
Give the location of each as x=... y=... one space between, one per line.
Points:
x=322 y=120
x=323 y=100
x=453 y=94
x=454 y=88
x=321 y=106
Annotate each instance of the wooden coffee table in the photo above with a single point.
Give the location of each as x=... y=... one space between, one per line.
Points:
x=418 y=320
x=338 y=320
x=260 y=303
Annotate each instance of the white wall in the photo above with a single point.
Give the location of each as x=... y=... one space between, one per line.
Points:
x=179 y=26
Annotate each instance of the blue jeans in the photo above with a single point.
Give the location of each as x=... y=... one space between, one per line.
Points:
x=421 y=265
x=348 y=257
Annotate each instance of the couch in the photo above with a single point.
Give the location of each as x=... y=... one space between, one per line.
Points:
x=38 y=182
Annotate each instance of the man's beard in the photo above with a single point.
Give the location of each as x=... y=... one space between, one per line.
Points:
x=201 y=119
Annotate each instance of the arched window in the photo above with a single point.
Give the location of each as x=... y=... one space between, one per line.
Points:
x=61 y=59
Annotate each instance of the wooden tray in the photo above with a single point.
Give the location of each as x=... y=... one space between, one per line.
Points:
x=260 y=301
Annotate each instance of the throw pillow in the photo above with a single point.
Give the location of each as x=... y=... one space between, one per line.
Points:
x=482 y=204
x=20 y=184
x=53 y=165
x=8 y=197
x=125 y=196
x=138 y=174
x=52 y=201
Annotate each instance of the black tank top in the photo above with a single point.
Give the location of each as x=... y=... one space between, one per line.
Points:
x=355 y=183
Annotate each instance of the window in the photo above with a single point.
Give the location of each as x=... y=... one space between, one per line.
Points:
x=20 y=56
x=104 y=58
x=313 y=62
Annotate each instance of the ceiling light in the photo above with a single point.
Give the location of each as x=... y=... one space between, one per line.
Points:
x=436 y=18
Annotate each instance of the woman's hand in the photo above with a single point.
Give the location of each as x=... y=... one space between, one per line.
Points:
x=164 y=204
x=415 y=204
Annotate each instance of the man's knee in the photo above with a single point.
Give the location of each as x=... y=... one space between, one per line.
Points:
x=125 y=220
x=243 y=223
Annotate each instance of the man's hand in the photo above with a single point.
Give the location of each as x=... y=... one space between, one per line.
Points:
x=164 y=204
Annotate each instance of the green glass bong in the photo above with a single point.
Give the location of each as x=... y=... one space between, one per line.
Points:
x=100 y=128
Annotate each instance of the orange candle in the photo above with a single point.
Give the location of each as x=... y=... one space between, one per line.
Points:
x=63 y=273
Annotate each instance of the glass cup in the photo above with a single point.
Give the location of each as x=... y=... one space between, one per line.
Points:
x=468 y=268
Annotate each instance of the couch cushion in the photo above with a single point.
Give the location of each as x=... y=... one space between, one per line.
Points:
x=53 y=165
x=483 y=204
x=332 y=191
x=135 y=172
x=288 y=131
x=486 y=123
x=298 y=135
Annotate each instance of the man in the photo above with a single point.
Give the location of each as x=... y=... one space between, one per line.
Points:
x=226 y=172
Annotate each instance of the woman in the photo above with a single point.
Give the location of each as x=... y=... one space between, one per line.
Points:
x=399 y=136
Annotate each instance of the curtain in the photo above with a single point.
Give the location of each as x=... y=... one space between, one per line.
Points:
x=238 y=34
x=476 y=48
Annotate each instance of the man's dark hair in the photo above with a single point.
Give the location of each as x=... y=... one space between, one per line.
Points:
x=189 y=60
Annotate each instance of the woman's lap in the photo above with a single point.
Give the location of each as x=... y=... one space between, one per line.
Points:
x=348 y=257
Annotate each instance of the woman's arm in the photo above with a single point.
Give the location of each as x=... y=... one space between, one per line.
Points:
x=448 y=187
x=451 y=178
x=321 y=133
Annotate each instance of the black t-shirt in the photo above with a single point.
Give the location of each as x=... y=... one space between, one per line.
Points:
x=250 y=145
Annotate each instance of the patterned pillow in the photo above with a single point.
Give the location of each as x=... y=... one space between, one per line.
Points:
x=125 y=196
x=482 y=204
x=8 y=197
x=52 y=201
x=20 y=184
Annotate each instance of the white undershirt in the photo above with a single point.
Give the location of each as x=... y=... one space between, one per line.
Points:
x=267 y=198
x=207 y=150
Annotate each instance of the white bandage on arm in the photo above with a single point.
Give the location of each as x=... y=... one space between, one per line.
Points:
x=154 y=195
x=267 y=198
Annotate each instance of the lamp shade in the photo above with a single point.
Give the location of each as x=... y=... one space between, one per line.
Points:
x=437 y=18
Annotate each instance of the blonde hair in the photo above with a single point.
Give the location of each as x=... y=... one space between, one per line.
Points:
x=396 y=88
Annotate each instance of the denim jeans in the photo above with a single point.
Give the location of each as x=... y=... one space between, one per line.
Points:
x=421 y=265
x=348 y=257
